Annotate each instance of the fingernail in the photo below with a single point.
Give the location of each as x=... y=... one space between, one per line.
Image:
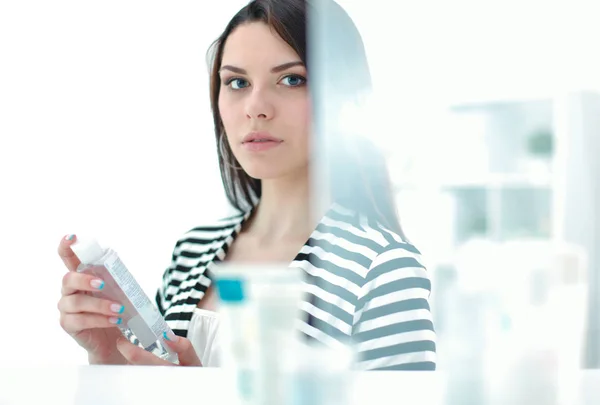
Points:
x=117 y=308
x=69 y=237
x=116 y=321
x=97 y=283
x=170 y=336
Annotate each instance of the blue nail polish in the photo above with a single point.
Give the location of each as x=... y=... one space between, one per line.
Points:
x=70 y=237
x=119 y=321
x=170 y=336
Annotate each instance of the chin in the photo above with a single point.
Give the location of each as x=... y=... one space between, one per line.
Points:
x=263 y=173
x=269 y=172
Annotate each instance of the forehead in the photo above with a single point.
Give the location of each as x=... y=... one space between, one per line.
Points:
x=256 y=44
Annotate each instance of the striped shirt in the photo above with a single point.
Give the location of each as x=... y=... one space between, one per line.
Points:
x=364 y=285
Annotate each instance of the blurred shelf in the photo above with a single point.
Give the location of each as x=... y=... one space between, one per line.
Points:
x=514 y=95
x=489 y=181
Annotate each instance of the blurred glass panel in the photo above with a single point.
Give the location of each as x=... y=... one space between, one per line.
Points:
x=498 y=187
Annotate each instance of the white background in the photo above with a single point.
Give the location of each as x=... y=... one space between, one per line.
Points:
x=105 y=126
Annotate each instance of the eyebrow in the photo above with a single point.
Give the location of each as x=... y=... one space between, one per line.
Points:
x=276 y=69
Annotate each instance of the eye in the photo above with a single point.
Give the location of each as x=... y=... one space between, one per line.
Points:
x=237 y=83
x=293 y=80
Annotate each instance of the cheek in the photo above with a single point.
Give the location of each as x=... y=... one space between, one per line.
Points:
x=307 y=121
x=308 y=114
x=227 y=111
x=299 y=115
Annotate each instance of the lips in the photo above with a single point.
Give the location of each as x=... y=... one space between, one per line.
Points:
x=260 y=141
x=260 y=137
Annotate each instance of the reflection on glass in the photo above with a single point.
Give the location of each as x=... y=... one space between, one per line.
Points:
x=501 y=197
x=392 y=325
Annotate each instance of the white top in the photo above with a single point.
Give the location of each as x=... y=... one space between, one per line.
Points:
x=203 y=333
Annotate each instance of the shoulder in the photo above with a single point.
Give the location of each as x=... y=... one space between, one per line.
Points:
x=197 y=247
x=383 y=254
x=362 y=230
x=214 y=227
x=203 y=237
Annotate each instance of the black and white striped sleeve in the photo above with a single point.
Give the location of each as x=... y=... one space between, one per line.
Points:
x=161 y=303
x=393 y=328
x=161 y=298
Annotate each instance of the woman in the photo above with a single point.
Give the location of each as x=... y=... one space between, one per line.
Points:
x=365 y=281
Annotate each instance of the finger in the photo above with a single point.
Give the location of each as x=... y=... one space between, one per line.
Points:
x=82 y=303
x=138 y=356
x=73 y=282
x=184 y=349
x=66 y=253
x=75 y=323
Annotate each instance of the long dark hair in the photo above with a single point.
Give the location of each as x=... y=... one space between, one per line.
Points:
x=358 y=176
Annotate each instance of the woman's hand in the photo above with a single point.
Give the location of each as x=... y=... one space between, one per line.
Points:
x=90 y=321
x=138 y=356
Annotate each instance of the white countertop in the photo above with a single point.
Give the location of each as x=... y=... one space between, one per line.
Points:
x=111 y=385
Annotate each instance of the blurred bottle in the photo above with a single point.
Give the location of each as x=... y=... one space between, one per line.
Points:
x=264 y=352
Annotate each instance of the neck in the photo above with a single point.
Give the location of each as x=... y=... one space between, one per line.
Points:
x=284 y=212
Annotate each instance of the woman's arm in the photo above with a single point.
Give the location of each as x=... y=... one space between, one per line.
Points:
x=393 y=327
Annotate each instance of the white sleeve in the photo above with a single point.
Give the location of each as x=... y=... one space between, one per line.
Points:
x=203 y=333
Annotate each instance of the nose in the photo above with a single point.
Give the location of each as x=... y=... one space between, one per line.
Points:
x=259 y=105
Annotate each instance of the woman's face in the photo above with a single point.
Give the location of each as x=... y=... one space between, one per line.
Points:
x=264 y=103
